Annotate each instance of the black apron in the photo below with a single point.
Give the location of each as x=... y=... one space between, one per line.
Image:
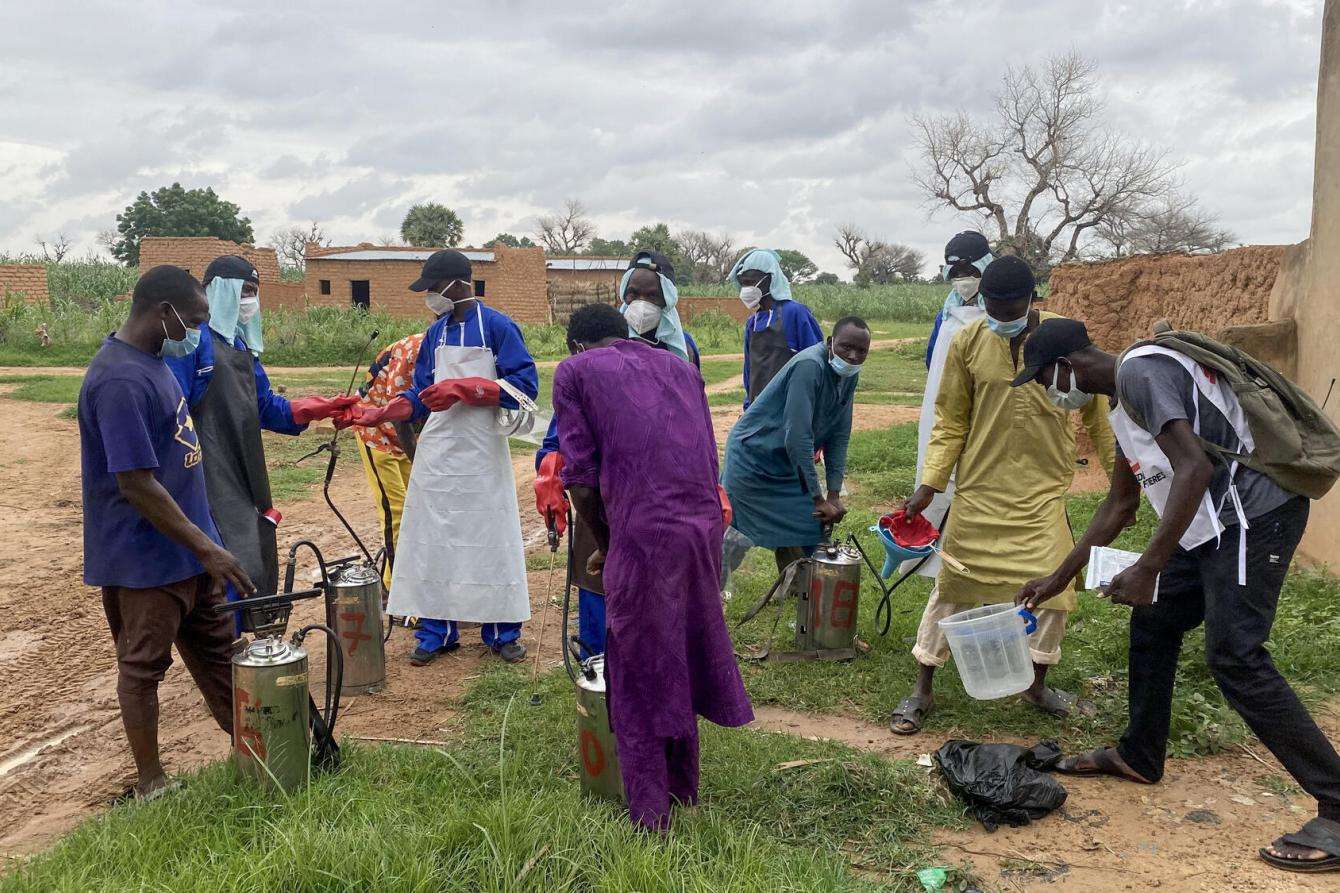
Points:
x=583 y=544
x=228 y=424
x=768 y=353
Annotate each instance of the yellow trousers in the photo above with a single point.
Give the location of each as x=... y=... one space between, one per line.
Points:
x=388 y=476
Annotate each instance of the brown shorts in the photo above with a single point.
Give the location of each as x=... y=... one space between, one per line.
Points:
x=145 y=624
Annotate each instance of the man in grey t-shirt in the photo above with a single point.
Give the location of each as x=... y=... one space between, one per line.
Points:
x=1195 y=586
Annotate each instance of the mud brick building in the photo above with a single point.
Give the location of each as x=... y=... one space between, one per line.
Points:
x=512 y=280
x=26 y=281
x=194 y=253
x=573 y=272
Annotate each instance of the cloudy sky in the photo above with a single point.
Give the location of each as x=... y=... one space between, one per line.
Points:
x=770 y=120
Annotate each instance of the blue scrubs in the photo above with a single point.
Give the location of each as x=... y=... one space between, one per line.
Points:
x=195 y=371
x=515 y=366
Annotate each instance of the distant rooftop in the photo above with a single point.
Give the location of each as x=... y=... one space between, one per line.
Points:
x=392 y=254
x=585 y=263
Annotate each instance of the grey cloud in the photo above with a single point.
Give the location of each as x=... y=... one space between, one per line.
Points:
x=350 y=200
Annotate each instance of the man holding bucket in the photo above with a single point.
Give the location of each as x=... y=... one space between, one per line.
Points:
x=460 y=555
x=1014 y=451
x=628 y=412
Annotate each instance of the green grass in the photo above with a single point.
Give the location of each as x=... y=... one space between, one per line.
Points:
x=902 y=301
x=501 y=811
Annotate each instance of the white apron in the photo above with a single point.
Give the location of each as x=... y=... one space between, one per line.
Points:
x=460 y=555
x=955 y=319
x=1154 y=471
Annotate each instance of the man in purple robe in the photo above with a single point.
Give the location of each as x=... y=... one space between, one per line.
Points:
x=641 y=460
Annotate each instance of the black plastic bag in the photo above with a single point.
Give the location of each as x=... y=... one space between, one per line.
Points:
x=1003 y=784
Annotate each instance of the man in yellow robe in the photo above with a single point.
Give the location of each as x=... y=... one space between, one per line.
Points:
x=1015 y=452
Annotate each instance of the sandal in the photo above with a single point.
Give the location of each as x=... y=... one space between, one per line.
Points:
x=1318 y=834
x=132 y=794
x=1100 y=761
x=913 y=710
x=1054 y=702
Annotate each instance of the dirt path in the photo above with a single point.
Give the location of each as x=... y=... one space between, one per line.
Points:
x=1198 y=830
x=62 y=751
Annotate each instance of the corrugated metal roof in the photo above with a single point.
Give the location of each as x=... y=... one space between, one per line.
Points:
x=585 y=263
x=415 y=256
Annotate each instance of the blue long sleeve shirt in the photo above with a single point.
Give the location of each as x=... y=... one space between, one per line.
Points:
x=935 y=333
x=195 y=371
x=501 y=336
x=798 y=325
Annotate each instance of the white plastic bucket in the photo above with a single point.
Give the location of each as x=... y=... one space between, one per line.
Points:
x=990 y=647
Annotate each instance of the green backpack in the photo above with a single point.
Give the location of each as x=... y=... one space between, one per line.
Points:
x=1297 y=446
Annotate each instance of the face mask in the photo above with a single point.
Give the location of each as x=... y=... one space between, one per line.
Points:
x=185 y=346
x=751 y=295
x=1067 y=400
x=439 y=303
x=1009 y=328
x=966 y=287
x=248 y=309
x=642 y=316
x=842 y=367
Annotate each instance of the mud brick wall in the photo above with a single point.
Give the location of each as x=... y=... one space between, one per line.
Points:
x=1120 y=300
x=196 y=252
x=28 y=281
x=514 y=282
x=284 y=295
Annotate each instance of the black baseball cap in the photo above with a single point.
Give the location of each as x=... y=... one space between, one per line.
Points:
x=1052 y=339
x=231 y=266
x=444 y=264
x=1008 y=278
x=967 y=246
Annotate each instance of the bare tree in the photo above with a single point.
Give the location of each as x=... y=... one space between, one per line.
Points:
x=709 y=258
x=567 y=232
x=1043 y=173
x=291 y=244
x=874 y=260
x=54 y=252
x=1174 y=223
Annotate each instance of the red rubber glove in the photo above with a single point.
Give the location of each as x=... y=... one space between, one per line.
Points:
x=471 y=391
x=727 y=513
x=550 y=500
x=309 y=409
x=398 y=410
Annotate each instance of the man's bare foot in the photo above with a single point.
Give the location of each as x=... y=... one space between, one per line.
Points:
x=147 y=788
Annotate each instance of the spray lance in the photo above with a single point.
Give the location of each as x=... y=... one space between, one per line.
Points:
x=551 y=534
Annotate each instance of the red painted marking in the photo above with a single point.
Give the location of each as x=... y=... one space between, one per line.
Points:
x=354 y=632
x=1135 y=467
x=1210 y=374
x=843 y=613
x=247 y=738
x=593 y=755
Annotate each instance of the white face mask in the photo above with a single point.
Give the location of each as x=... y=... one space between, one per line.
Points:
x=1067 y=400
x=439 y=303
x=248 y=308
x=643 y=317
x=751 y=295
x=966 y=286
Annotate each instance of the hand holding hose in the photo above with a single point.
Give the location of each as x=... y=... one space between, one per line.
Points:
x=550 y=499
x=309 y=409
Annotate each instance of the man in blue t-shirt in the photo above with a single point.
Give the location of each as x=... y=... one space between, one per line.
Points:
x=149 y=540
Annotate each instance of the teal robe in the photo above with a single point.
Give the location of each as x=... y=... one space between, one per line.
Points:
x=769 y=471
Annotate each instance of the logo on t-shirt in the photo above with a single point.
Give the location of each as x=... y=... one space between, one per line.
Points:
x=186 y=435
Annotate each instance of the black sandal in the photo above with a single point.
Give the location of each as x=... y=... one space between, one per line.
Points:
x=912 y=710
x=1103 y=764
x=1318 y=834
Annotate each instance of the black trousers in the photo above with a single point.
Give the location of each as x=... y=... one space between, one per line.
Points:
x=1202 y=586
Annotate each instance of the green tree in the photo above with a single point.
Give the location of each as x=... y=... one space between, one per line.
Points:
x=796 y=266
x=826 y=279
x=510 y=241
x=654 y=238
x=432 y=225
x=609 y=248
x=174 y=211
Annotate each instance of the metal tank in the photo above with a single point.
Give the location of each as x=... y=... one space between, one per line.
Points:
x=827 y=592
x=595 y=740
x=356 y=614
x=271 y=737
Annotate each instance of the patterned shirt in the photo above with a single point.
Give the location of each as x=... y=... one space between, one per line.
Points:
x=388 y=377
